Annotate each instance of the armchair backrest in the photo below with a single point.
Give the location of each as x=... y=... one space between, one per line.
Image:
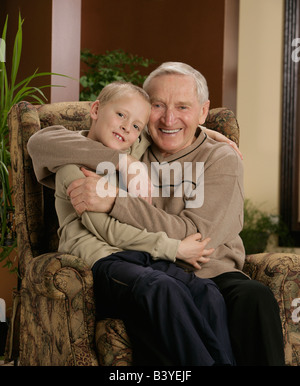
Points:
x=35 y=217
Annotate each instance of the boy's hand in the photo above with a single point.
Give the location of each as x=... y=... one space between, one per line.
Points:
x=192 y=251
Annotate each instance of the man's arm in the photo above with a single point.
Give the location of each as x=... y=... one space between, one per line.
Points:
x=220 y=217
x=115 y=233
x=221 y=138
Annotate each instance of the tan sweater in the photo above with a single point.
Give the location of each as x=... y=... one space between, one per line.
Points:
x=220 y=217
x=96 y=235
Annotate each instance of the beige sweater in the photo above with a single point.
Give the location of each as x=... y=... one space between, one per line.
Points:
x=96 y=235
x=219 y=217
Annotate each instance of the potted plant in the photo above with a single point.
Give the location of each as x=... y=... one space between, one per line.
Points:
x=11 y=92
x=259 y=226
x=109 y=67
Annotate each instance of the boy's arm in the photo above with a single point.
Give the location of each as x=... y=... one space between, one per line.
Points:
x=118 y=234
x=124 y=236
x=56 y=146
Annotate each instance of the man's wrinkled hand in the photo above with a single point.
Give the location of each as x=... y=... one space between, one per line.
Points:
x=84 y=196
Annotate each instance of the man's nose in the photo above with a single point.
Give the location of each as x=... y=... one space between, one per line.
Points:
x=169 y=117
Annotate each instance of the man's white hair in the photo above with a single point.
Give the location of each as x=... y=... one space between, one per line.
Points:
x=180 y=69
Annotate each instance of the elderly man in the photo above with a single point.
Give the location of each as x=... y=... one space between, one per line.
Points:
x=212 y=204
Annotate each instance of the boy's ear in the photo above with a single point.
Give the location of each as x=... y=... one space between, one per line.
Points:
x=94 y=109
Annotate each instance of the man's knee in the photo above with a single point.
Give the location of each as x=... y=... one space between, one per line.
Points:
x=252 y=294
x=256 y=289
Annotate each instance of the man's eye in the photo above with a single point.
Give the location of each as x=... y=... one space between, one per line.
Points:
x=156 y=105
x=182 y=107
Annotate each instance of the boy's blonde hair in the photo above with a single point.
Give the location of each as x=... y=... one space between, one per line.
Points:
x=117 y=89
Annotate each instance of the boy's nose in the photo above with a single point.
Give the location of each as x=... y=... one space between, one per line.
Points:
x=125 y=127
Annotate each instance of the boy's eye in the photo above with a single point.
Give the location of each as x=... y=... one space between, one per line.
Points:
x=136 y=127
x=121 y=115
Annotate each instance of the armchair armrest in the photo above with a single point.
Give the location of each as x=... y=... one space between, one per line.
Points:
x=57 y=312
x=52 y=275
x=281 y=273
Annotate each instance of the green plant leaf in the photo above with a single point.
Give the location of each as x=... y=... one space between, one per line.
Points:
x=109 y=67
x=17 y=50
x=10 y=94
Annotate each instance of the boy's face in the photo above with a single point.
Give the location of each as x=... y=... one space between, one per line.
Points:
x=118 y=123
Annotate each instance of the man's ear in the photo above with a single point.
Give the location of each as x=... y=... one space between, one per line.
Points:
x=204 y=112
x=95 y=109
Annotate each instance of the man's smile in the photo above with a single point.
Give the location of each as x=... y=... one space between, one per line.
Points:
x=171 y=131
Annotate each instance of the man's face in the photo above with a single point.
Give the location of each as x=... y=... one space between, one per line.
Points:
x=118 y=123
x=175 y=113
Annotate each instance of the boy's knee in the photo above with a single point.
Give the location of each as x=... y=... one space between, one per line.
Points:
x=153 y=284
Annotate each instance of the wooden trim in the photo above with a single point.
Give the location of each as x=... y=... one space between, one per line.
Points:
x=65 y=49
x=290 y=181
x=230 y=56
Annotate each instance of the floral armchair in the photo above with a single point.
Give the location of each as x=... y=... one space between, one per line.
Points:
x=54 y=313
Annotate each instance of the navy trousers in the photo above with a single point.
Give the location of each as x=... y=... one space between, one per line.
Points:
x=171 y=316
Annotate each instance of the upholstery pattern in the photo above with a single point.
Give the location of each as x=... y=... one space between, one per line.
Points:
x=281 y=273
x=55 y=313
x=57 y=302
x=113 y=344
x=224 y=121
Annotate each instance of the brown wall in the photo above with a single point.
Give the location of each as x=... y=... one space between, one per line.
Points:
x=190 y=31
x=199 y=32
x=36 y=50
x=8 y=283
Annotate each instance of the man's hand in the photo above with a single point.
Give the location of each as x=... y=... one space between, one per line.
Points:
x=192 y=251
x=84 y=196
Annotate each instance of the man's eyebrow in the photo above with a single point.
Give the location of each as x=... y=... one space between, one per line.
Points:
x=179 y=103
x=154 y=99
x=183 y=103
